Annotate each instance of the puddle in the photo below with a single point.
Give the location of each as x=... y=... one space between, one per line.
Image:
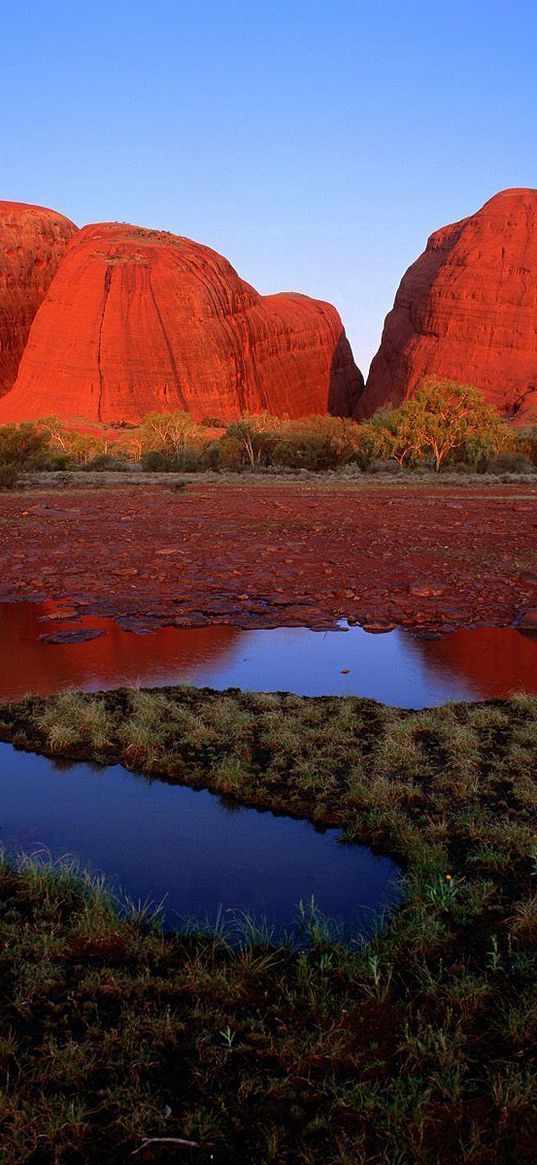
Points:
x=205 y=859
x=396 y=667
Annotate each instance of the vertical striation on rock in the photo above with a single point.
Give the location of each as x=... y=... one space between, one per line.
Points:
x=466 y=310
x=140 y=320
x=32 y=242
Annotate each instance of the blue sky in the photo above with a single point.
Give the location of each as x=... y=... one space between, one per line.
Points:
x=315 y=143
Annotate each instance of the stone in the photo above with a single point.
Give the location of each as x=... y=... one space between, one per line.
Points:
x=79 y=635
x=427 y=589
x=140 y=320
x=32 y=242
x=527 y=621
x=466 y=311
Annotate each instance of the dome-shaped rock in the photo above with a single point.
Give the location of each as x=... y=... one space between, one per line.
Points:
x=466 y=310
x=32 y=242
x=140 y=320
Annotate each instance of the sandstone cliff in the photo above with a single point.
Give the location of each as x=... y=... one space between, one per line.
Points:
x=32 y=242
x=466 y=310
x=139 y=320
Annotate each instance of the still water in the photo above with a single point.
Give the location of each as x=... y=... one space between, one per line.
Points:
x=203 y=858
x=396 y=668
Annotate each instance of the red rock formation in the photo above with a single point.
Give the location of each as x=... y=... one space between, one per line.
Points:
x=32 y=242
x=139 y=320
x=466 y=310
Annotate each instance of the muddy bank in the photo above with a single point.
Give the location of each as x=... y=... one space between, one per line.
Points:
x=428 y=556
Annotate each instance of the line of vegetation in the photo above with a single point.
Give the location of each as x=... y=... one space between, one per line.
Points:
x=445 y=425
x=417 y=1048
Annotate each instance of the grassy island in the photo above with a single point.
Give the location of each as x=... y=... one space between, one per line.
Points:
x=419 y=1047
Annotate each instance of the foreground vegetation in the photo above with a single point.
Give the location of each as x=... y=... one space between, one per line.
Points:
x=418 y=1047
x=443 y=425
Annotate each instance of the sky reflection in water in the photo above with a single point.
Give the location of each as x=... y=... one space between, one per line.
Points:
x=396 y=668
x=202 y=857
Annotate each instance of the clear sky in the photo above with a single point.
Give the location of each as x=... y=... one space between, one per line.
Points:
x=315 y=143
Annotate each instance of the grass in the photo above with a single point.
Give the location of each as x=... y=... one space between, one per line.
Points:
x=345 y=478
x=416 y=1048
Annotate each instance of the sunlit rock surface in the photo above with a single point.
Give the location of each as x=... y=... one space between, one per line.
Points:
x=32 y=242
x=466 y=310
x=140 y=320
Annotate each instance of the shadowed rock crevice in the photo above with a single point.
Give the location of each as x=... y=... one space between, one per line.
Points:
x=346 y=381
x=173 y=365
x=106 y=292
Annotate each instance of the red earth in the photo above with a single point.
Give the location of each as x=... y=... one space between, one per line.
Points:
x=140 y=320
x=465 y=311
x=255 y=555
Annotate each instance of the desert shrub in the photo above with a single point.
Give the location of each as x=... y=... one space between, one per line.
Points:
x=463 y=467
x=377 y=437
x=441 y=424
x=226 y=453
x=255 y=435
x=106 y=463
x=384 y=465
x=169 y=432
x=66 y=448
x=156 y=461
x=445 y=419
x=24 y=446
x=189 y=460
x=307 y=451
x=9 y=476
x=350 y=470
x=317 y=443
x=474 y=454
x=512 y=461
x=57 y=461
x=529 y=443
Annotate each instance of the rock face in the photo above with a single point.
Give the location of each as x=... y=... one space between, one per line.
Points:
x=467 y=311
x=140 y=320
x=32 y=242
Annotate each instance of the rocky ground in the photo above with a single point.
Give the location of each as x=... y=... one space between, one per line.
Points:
x=429 y=556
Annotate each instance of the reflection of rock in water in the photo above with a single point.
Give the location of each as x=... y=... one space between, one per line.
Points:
x=494 y=661
x=43 y=653
x=112 y=660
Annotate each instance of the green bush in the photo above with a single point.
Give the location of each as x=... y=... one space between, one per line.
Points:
x=24 y=446
x=384 y=465
x=57 y=461
x=156 y=461
x=188 y=460
x=529 y=442
x=225 y=453
x=105 y=463
x=255 y=434
x=510 y=462
x=311 y=451
x=317 y=443
x=9 y=476
x=377 y=438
